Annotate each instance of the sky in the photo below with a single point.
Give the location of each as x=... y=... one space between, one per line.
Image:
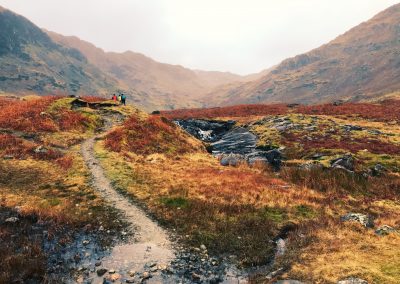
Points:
x=239 y=36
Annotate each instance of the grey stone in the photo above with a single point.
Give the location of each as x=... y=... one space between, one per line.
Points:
x=363 y=219
x=385 y=230
x=345 y=162
x=11 y=220
x=231 y=159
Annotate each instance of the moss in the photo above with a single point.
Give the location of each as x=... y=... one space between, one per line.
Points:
x=175 y=202
x=275 y=214
x=304 y=211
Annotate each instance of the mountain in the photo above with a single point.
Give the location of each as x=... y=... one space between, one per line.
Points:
x=43 y=62
x=32 y=63
x=163 y=85
x=362 y=64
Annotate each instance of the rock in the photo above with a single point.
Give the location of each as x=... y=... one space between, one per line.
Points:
x=363 y=219
x=85 y=242
x=111 y=271
x=8 y=157
x=196 y=276
x=345 y=162
x=131 y=273
x=274 y=273
x=206 y=130
x=385 y=230
x=146 y=275
x=113 y=277
x=203 y=247
x=352 y=280
x=98 y=263
x=231 y=159
x=11 y=220
x=377 y=170
x=100 y=272
x=130 y=280
x=40 y=150
x=374 y=132
x=280 y=247
x=349 y=127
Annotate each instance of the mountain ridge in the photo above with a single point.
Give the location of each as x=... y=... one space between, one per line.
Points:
x=361 y=64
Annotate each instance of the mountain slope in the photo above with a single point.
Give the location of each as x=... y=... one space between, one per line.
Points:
x=32 y=62
x=165 y=85
x=361 y=64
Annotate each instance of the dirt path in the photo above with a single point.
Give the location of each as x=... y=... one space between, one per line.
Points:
x=151 y=245
x=150 y=252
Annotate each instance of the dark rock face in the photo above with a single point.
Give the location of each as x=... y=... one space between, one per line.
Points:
x=233 y=145
x=206 y=130
x=239 y=141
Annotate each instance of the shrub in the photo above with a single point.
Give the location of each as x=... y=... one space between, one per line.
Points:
x=152 y=135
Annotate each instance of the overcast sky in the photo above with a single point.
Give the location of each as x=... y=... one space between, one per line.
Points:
x=241 y=36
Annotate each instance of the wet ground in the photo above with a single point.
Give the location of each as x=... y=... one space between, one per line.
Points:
x=152 y=254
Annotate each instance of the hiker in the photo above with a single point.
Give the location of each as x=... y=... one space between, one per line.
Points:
x=123 y=99
x=114 y=97
x=119 y=98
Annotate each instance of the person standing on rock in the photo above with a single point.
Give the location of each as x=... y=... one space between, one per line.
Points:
x=114 y=98
x=119 y=98
x=123 y=99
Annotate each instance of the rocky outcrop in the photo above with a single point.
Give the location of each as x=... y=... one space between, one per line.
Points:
x=232 y=145
x=205 y=130
x=345 y=162
x=363 y=219
x=385 y=230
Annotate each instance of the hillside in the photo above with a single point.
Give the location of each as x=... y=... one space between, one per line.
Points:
x=160 y=85
x=32 y=63
x=362 y=64
x=43 y=62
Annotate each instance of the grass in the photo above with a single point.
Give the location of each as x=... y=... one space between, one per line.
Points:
x=50 y=186
x=239 y=210
x=150 y=135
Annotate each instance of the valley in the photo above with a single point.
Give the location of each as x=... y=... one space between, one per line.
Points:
x=286 y=176
x=223 y=212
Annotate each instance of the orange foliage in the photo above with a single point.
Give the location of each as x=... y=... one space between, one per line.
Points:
x=351 y=144
x=69 y=120
x=153 y=135
x=26 y=115
x=230 y=111
x=65 y=162
x=385 y=111
x=20 y=148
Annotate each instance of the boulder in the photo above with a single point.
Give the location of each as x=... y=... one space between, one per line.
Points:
x=377 y=170
x=11 y=220
x=349 y=127
x=231 y=159
x=363 y=219
x=385 y=230
x=272 y=157
x=345 y=162
x=40 y=149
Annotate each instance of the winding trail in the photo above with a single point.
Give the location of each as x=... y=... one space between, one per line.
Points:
x=151 y=250
x=151 y=244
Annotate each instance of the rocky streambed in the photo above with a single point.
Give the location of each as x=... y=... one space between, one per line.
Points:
x=230 y=143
